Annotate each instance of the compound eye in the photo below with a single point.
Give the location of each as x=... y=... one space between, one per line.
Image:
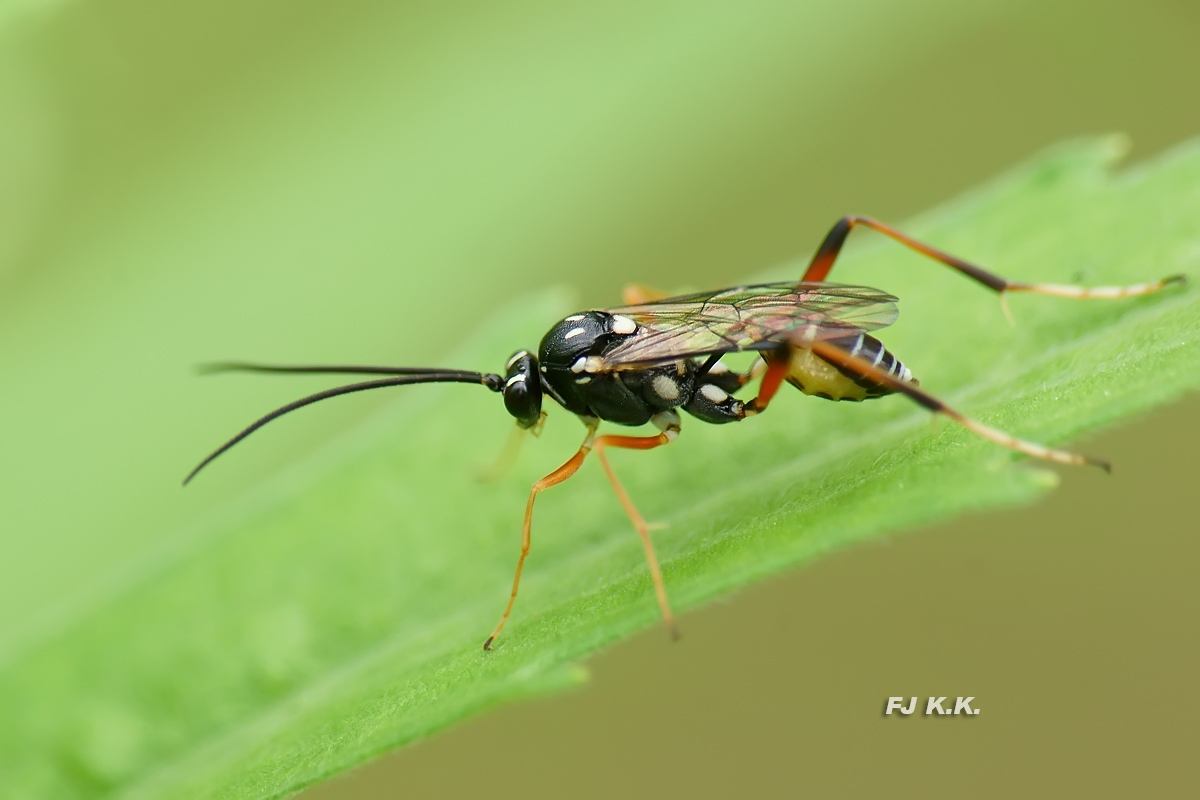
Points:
x=523 y=389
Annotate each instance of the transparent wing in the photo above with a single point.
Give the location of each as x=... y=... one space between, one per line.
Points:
x=746 y=318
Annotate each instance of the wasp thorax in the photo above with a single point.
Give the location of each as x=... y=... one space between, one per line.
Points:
x=582 y=335
x=523 y=389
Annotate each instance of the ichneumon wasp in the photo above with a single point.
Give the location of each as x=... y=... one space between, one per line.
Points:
x=643 y=362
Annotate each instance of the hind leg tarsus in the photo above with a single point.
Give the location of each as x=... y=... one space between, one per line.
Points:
x=843 y=359
x=822 y=262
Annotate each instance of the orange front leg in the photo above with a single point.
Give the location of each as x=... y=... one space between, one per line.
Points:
x=558 y=476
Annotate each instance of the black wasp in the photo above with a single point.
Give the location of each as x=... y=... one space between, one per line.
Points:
x=644 y=362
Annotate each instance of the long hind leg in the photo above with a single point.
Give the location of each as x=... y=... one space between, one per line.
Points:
x=827 y=253
x=844 y=360
x=778 y=362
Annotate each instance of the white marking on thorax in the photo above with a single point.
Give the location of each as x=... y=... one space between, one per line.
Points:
x=575 y=332
x=623 y=325
x=574 y=317
x=714 y=394
x=588 y=364
x=665 y=388
x=515 y=358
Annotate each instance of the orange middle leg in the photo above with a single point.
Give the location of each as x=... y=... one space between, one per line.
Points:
x=670 y=424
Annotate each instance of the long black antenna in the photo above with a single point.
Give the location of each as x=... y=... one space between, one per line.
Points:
x=406 y=376
x=247 y=366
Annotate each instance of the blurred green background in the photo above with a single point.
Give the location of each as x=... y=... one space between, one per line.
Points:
x=364 y=182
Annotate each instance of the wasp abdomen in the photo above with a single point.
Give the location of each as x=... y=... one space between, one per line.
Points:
x=814 y=375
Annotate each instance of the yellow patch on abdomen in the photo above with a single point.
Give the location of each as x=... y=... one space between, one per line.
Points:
x=814 y=375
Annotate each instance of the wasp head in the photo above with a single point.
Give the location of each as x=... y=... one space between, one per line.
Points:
x=523 y=389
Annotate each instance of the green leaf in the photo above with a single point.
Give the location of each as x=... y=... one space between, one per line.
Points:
x=338 y=610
